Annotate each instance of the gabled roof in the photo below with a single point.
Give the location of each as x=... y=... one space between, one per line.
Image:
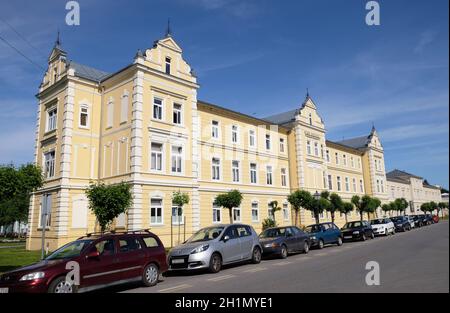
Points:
x=398 y=174
x=356 y=143
x=88 y=72
x=282 y=118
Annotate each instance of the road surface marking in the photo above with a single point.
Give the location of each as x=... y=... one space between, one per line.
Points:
x=183 y=286
x=221 y=278
x=254 y=270
x=282 y=263
x=321 y=254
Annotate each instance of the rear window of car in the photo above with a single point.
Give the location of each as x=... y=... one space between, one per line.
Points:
x=129 y=244
x=150 y=242
x=243 y=231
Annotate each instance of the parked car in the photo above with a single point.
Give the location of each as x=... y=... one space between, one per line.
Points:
x=401 y=223
x=104 y=260
x=382 y=226
x=411 y=221
x=419 y=220
x=436 y=219
x=212 y=247
x=323 y=234
x=429 y=219
x=284 y=240
x=357 y=230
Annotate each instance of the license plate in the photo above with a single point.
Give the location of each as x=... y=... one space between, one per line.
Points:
x=177 y=261
x=348 y=237
x=4 y=290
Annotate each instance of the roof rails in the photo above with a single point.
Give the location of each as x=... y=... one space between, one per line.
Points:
x=114 y=232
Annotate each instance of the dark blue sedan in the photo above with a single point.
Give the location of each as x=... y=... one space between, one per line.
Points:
x=323 y=234
x=284 y=240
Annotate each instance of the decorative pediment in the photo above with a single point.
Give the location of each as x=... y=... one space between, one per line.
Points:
x=169 y=43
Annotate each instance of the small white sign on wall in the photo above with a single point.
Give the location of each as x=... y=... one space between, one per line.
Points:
x=79 y=212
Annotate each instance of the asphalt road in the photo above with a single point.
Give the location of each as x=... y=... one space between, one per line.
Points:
x=415 y=261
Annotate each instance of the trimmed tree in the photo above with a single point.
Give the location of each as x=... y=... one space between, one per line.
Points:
x=374 y=205
x=275 y=208
x=229 y=200
x=336 y=204
x=401 y=205
x=386 y=208
x=179 y=199
x=107 y=202
x=299 y=199
x=442 y=206
x=317 y=206
x=346 y=208
x=363 y=204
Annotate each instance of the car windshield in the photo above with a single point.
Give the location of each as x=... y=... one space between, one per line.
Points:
x=206 y=234
x=70 y=250
x=377 y=222
x=353 y=225
x=396 y=219
x=273 y=233
x=313 y=228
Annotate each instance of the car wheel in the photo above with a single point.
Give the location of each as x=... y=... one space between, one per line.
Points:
x=321 y=244
x=339 y=241
x=151 y=275
x=305 y=247
x=60 y=285
x=215 y=263
x=363 y=237
x=256 y=255
x=284 y=252
x=372 y=236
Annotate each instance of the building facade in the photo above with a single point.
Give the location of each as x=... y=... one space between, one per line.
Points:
x=413 y=188
x=145 y=126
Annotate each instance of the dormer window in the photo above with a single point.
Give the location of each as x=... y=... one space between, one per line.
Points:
x=168 y=60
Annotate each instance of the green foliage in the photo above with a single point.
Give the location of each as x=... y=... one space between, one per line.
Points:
x=336 y=204
x=401 y=204
x=317 y=206
x=365 y=204
x=275 y=208
x=108 y=201
x=299 y=199
x=268 y=223
x=16 y=186
x=180 y=199
x=346 y=208
x=229 y=200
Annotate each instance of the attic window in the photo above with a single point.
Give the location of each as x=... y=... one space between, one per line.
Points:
x=310 y=119
x=168 y=60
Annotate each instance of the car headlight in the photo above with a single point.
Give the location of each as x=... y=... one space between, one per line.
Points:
x=200 y=249
x=356 y=232
x=33 y=276
x=313 y=237
x=271 y=245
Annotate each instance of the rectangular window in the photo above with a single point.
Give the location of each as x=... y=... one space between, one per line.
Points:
x=51 y=119
x=84 y=116
x=236 y=214
x=168 y=63
x=177 y=159
x=354 y=184
x=267 y=142
x=109 y=114
x=308 y=147
x=316 y=149
x=344 y=157
x=251 y=138
x=255 y=212
x=330 y=182
x=286 y=211
x=283 y=177
x=156 y=212
x=156 y=156
x=234 y=134
x=352 y=160
x=253 y=173
x=49 y=164
x=45 y=217
x=157 y=109
x=347 y=184
x=177 y=114
x=215 y=169
x=338 y=183
x=378 y=186
x=269 y=175
x=215 y=129
x=282 y=145
x=337 y=158
x=328 y=156
x=124 y=109
x=235 y=170
x=217 y=214
x=177 y=215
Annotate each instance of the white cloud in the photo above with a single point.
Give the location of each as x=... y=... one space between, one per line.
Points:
x=406 y=132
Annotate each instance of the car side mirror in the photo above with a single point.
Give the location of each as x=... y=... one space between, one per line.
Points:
x=93 y=255
x=226 y=238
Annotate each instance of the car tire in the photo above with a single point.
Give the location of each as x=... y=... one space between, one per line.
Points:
x=215 y=263
x=59 y=285
x=305 y=247
x=150 y=276
x=283 y=252
x=256 y=255
x=372 y=236
x=339 y=242
x=321 y=244
x=363 y=237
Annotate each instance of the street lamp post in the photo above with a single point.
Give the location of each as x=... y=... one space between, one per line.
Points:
x=317 y=195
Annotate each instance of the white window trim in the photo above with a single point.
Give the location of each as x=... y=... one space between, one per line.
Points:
x=255 y=142
x=110 y=113
x=282 y=209
x=221 y=214
x=257 y=209
x=88 y=119
x=163 y=158
x=219 y=133
x=171 y=216
x=44 y=164
x=123 y=112
x=271 y=175
x=250 y=172
x=270 y=142
x=47 y=124
x=239 y=168
x=282 y=142
x=240 y=215
x=285 y=177
x=183 y=159
x=238 y=135
x=181 y=124
x=162 y=211
x=220 y=169
x=162 y=109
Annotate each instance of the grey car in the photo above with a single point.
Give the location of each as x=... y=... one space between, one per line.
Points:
x=211 y=247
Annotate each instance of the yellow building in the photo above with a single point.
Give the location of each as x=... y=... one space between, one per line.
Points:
x=144 y=125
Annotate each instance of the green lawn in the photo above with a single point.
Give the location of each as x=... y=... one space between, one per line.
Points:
x=11 y=258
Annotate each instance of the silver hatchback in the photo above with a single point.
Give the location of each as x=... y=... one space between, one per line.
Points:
x=211 y=247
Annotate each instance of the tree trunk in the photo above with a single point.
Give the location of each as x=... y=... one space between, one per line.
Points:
x=361 y=214
x=230 y=212
x=316 y=216
x=332 y=217
x=346 y=218
x=296 y=217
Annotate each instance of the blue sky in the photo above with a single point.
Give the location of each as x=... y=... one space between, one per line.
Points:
x=258 y=57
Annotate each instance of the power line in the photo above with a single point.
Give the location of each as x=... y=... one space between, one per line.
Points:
x=23 y=55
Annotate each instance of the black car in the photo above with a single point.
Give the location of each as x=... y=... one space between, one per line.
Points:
x=357 y=230
x=419 y=220
x=284 y=240
x=401 y=223
x=428 y=219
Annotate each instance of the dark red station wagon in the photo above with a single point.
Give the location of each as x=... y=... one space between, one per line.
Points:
x=104 y=260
